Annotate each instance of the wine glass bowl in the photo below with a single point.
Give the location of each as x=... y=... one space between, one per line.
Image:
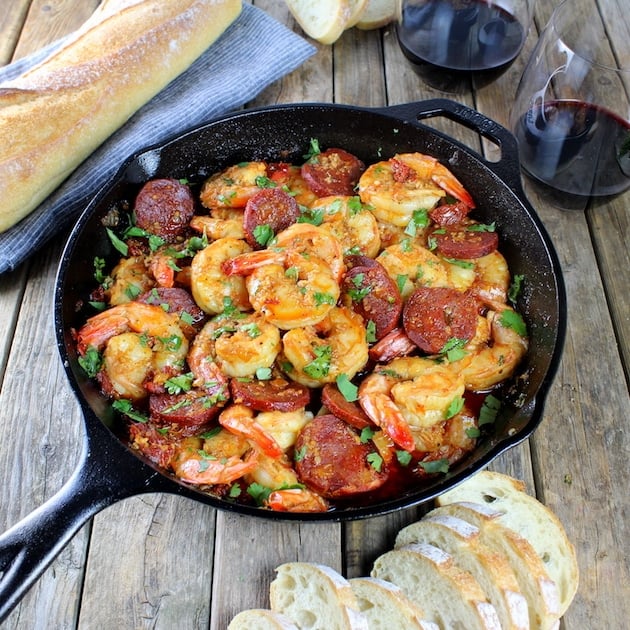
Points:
x=571 y=109
x=450 y=43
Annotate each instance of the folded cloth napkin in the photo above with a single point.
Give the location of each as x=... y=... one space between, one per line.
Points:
x=254 y=51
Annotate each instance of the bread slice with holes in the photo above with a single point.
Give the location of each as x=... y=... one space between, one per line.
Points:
x=261 y=619
x=386 y=606
x=491 y=569
x=323 y=20
x=448 y=595
x=377 y=13
x=539 y=589
x=315 y=596
x=530 y=518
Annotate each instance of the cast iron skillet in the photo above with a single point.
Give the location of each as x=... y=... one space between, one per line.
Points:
x=109 y=471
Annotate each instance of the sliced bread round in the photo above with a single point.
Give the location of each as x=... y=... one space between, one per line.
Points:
x=261 y=619
x=315 y=596
x=386 y=606
x=534 y=582
x=323 y=20
x=356 y=11
x=448 y=595
x=377 y=13
x=528 y=517
x=491 y=569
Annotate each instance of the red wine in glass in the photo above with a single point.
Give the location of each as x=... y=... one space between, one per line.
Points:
x=574 y=147
x=450 y=41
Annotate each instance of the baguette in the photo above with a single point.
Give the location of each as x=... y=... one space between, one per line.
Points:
x=56 y=114
x=534 y=582
x=261 y=619
x=529 y=518
x=386 y=606
x=377 y=13
x=448 y=595
x=493 y=572
x=315 y=596
x=323 y=20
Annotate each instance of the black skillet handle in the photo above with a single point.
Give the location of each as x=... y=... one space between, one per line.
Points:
x=507 y=168
x=30 y=546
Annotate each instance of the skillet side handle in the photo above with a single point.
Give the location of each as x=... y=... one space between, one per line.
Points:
x=508 y=167
x=30 y=546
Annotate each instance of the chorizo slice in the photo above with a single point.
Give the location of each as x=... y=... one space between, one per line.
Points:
x=464 y=241
x=334 y=462
x=348 y=411
x=191 y=410
x=449 y=213
x=332 y=172
x=432 y=316
x=180 y=302
x=276 y=394
x=164 y=207
x=268 y=212
x=372 y=293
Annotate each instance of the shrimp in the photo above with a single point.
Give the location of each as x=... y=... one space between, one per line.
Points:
x=289 y=177
x=496 y=360
x=351 y=223
x=320 y=353
x=274 y=432
x=410 y=393
x=487 y=277
x=396 y=188
x=288 y=288
x=287 y=493
x=314 y=241
x=233 y=186
x=130 y=278
x=220 y=223
x=218 y=460
x=209 y=285
x=239 y=419
x=410 y=264
x=239 y=345
x=153 y=328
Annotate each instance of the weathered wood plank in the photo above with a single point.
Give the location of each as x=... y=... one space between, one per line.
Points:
x=11 y=22
x=150 y=565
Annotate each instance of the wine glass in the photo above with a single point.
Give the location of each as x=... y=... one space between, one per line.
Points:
x=571 y=110
x=451 y=42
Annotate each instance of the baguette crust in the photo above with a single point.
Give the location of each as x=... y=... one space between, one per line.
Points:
x=528 y=517
x=431 y=578
x=491 y=569
x=56 y=114
x=540 y=591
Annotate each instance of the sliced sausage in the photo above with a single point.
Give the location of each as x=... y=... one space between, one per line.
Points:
x=272 y=208
x=449 y=213
x=434 y=315
x=155 y=445
x=179 y=301
x=192 y=409
x=349 y=411
x=276 y=394
x=372 y=293
x=332 y=172
x=333 y=461
x=164 y=207
x=465 y=242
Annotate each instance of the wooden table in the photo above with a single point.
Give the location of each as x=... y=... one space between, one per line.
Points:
x=161 y=561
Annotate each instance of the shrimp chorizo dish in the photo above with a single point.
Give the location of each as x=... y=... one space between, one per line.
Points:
x=302 y=337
